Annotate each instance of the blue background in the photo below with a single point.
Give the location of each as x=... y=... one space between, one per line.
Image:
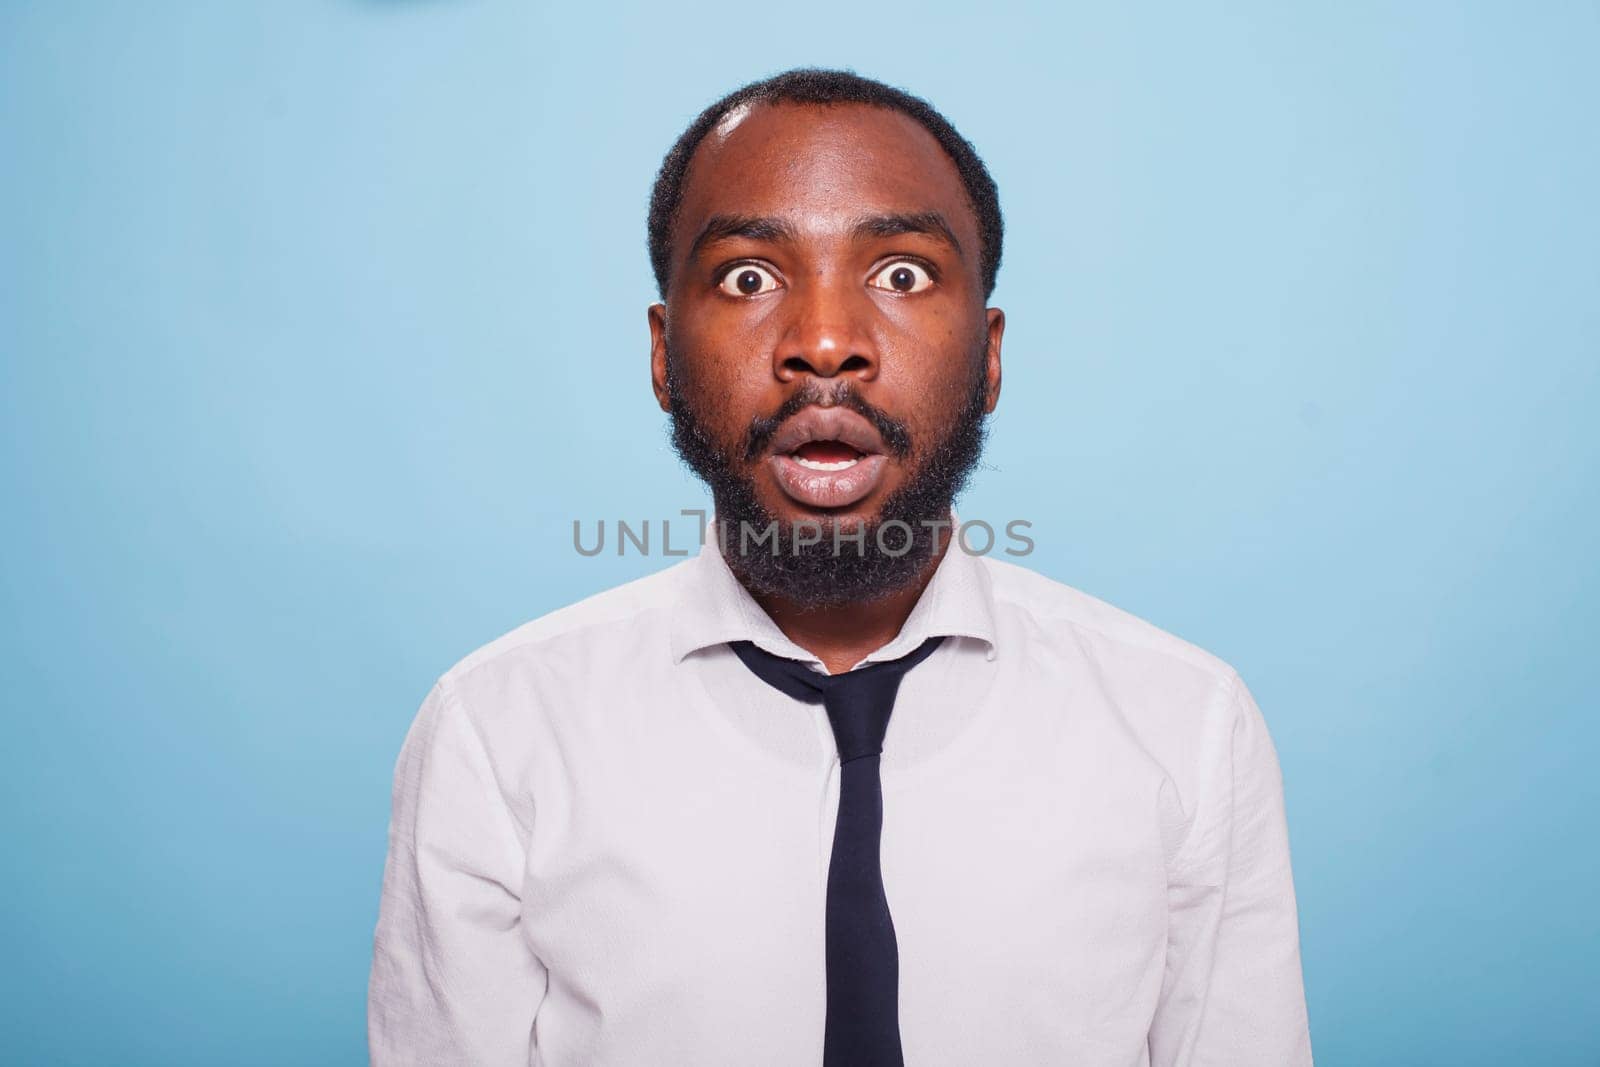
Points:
x=321 y=322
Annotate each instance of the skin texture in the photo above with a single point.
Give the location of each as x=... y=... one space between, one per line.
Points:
x=828 y=307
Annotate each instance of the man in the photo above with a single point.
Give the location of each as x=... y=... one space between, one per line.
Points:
x=677 y=823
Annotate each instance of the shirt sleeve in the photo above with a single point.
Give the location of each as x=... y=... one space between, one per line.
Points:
x=453 y=979
x=1233 y=993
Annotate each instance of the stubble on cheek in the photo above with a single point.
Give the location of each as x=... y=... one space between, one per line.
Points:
x=702 y=430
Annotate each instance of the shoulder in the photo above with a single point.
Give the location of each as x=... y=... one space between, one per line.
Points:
x=1184 y=707
x=1062 y=612
x=606 y=620
x=1178 y=700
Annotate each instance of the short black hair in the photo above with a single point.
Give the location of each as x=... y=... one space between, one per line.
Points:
x=815 y=85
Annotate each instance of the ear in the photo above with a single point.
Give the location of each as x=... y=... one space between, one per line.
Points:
x=657 y=313
x=991 y=368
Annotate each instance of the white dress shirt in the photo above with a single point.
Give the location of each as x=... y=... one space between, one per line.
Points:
x=610 y=842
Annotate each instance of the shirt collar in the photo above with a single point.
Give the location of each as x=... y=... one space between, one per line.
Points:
x=713 y=607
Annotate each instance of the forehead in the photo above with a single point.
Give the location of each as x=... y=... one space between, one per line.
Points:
x=821 y=166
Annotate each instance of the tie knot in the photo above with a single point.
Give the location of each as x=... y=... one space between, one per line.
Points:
x=858 y=702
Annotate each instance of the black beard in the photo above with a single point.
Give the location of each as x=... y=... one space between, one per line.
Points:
x=844 y=566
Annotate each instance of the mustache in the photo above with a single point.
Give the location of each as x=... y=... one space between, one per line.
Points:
x=896 y=438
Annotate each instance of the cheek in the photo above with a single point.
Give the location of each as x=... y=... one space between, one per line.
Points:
x=723 y=384
x=729 y=357
x=932 y=339
x=931 y=383
x=931 y=367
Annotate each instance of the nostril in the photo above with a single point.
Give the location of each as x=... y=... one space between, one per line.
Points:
x=824 y=368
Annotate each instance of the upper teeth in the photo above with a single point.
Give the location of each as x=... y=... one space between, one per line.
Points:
x=819 y=465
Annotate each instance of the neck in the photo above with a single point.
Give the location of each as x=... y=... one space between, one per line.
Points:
x=841 y=635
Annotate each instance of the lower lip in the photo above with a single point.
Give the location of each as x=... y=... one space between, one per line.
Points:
x=828 y=489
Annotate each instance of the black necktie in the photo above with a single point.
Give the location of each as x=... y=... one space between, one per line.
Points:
x=863 y=1027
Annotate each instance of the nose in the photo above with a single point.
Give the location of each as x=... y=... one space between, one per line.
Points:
x=827 y=333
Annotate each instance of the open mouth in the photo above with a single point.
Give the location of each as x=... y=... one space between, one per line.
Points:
x=827 y=456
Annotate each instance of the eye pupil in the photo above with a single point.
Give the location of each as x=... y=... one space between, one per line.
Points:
x=903 y=278
x=748 y=281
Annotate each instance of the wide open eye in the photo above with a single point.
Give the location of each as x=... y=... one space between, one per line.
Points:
x=902 y=276
x=747 y=279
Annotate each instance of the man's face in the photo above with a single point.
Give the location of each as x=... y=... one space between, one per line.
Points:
x=824 y=347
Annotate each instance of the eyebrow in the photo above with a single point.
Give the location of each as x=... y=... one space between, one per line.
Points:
x=725 y=227
x=766 y=228
x=928 y=223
